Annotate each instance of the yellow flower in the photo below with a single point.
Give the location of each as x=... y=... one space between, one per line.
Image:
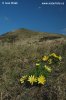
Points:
x=45 y=58
x=37 y=64
x=50 y=61
x=54 y=55
x=60 y=58
x=23 y=78
x=47 y=68
x=41 y=80
x=32 y=79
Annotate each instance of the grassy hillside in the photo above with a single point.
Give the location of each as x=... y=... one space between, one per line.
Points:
x=18 y=53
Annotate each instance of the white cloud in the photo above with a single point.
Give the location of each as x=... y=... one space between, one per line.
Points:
x=64 y=30
x=39 y=7
x=6 y=18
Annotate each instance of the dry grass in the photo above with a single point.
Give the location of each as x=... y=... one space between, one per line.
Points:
x=18 y=58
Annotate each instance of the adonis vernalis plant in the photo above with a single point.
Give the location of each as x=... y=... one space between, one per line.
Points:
x=43 y=69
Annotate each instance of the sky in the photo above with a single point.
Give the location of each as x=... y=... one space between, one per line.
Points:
x=34 y=15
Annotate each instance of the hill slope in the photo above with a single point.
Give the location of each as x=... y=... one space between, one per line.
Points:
x=23 y=34
x=18 y=53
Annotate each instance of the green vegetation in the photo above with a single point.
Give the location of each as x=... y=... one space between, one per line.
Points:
x=17 y=58
x=39 y=75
